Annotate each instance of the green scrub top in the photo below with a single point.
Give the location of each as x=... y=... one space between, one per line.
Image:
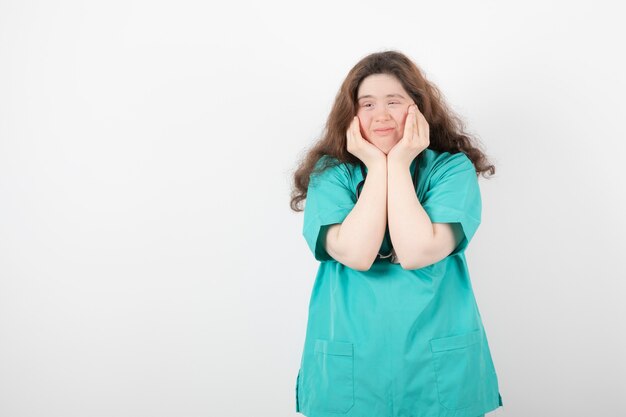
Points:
x=391 y=342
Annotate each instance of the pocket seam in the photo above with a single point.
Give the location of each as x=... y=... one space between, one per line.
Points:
x=338 y=349
x=334 y=348
x=458 y=341
x=443 y=346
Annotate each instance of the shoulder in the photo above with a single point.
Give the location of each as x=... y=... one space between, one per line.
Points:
x=330 y=168
x=446 y=163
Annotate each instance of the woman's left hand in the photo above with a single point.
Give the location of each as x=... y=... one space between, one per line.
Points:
x=416 y=138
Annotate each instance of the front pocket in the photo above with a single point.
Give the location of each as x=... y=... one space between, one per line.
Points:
x=458 y=365
x=333 y=376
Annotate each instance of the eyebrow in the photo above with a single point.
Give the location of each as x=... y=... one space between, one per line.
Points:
x=388 y=95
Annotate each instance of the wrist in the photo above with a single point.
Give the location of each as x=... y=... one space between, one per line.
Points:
x=379 y=164
x=397 y=164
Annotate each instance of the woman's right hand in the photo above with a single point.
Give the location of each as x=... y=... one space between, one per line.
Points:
x=358 y=146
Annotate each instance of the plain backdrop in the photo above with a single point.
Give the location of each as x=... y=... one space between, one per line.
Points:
x=150 y=264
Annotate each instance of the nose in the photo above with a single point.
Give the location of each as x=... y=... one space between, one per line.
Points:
x=382 y=114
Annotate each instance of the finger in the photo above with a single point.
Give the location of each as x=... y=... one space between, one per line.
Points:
x=357 y=129
x=423 y=133
x=423 y=125
x=349 y=131
x=354 y=128
x=408 y=124
x=357 y=123
x=415 y=122
x=418 y=125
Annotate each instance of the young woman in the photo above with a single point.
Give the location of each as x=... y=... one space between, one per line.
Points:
x=392 y=202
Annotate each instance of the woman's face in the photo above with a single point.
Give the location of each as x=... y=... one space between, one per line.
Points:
x=382 y=107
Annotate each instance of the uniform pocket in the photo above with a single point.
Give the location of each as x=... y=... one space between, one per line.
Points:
x=333 y=376
x=458 y=365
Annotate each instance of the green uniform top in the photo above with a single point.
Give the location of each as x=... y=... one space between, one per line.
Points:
x=391 y=342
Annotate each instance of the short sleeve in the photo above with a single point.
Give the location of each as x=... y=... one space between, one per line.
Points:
x=454 y=196
x=329 y=201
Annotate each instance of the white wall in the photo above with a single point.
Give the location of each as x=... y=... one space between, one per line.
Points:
x=150 y=264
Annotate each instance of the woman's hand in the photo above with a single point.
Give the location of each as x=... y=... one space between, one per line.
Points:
x=416 y=138
x=361 y=148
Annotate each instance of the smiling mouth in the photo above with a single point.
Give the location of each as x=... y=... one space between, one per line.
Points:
x=383 y=130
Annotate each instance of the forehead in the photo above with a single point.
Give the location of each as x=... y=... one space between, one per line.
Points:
x=380 y=86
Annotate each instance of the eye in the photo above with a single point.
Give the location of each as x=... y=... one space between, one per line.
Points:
x=395 y=102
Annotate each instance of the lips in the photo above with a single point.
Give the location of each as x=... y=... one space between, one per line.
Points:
x=382 y=130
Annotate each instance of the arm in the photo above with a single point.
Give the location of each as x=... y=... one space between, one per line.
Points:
x=417 y=241
x=356 y=241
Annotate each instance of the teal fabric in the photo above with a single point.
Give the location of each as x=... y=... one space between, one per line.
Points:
x=390 y=342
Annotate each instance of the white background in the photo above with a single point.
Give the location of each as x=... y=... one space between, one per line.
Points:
x=150 y=264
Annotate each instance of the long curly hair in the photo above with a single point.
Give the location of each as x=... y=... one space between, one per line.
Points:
x=447 y=130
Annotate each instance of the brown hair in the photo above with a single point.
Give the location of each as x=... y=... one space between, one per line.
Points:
x=446 y=128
